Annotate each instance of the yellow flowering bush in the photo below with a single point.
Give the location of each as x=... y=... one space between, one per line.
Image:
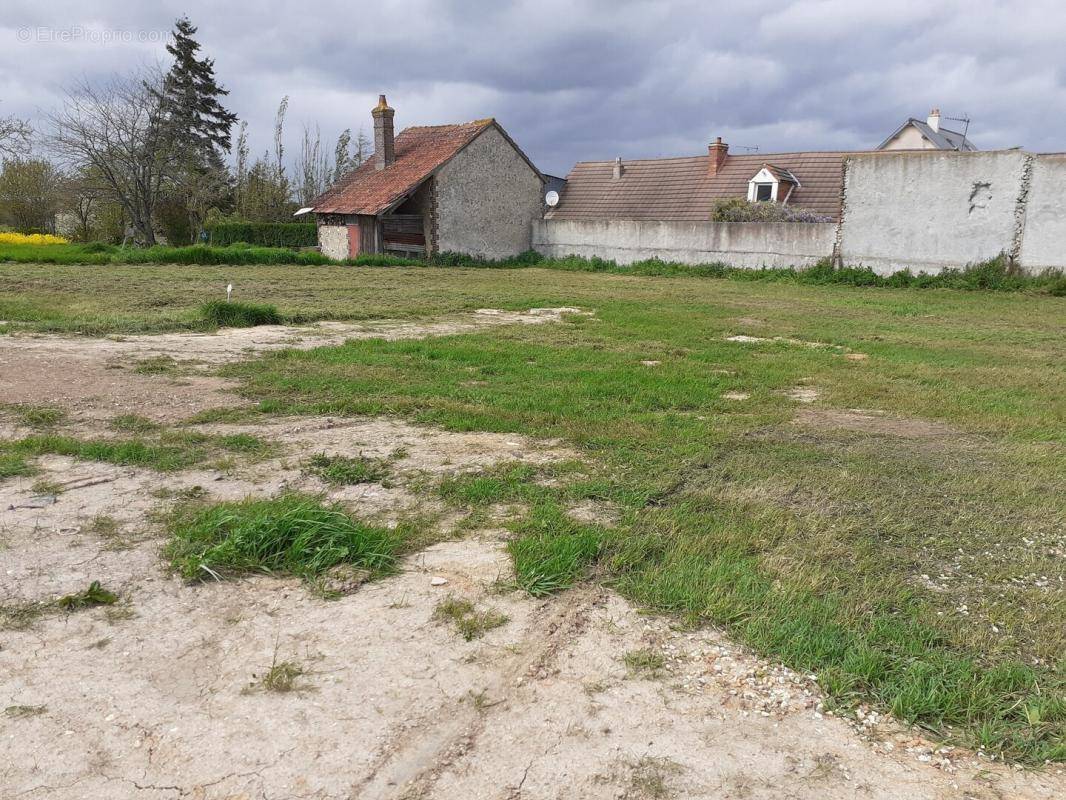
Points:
x=31 y=238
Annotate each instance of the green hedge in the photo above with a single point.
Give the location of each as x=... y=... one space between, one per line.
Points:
x=264 y=234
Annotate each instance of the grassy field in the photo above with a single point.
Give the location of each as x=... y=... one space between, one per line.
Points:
x=912 y=558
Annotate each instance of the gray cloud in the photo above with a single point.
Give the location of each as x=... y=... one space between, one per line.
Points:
x=583 y=79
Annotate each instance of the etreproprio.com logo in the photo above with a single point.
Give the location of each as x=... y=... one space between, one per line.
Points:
x=79 y=34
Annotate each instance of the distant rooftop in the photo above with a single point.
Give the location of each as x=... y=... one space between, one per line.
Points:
x=685 y=189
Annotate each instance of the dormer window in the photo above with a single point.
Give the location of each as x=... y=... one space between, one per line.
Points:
x=772 y=185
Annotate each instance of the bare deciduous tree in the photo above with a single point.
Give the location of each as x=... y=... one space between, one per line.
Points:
x=81 y=198
x=240 y=170
x=114 y=132
x=264 y=191
x=14 y=137
x=313 y=170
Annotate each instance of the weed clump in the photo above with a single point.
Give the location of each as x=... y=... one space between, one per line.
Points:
x=156 y=365
x=95 y=595
x=281 y=677
x=14 y=465
x=292 y=534
x=239 y=315
x=38 y=416
x=468 y=621
x=347 y=471
x=645 y=661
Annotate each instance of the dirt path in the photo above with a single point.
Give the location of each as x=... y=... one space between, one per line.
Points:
x=161 y=696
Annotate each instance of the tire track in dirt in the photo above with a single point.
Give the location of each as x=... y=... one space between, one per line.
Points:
x=409 y=768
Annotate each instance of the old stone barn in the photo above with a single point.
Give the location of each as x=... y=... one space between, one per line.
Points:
x=464 y=188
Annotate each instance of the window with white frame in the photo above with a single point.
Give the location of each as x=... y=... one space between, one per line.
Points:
x=771 y=186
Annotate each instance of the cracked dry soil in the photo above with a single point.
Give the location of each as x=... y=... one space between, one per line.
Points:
x=161 y=698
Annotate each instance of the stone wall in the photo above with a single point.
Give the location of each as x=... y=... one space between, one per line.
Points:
x=740 y=244
x=333 y=241
x=487 y=198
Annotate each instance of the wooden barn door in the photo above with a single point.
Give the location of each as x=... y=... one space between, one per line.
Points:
x=354 y=240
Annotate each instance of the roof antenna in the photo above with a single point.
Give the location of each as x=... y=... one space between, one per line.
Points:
x=965 y=120
x=751 y=148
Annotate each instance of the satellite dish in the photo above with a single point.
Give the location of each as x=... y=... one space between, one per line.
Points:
x=552 y=198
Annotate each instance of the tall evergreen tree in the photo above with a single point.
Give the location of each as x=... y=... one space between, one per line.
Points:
x=191 y=99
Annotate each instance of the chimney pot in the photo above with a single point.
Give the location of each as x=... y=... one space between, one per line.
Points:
x=718 y=150
x=934 y=119
x=384 y=151
x=617 y=168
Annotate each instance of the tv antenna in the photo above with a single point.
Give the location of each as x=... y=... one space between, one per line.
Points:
x=965 y=120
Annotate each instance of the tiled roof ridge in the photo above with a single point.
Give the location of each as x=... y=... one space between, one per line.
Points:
x=481 y=123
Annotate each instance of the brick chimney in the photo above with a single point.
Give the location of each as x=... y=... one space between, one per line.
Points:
x=718 y=151
x=934 y=119
x=617 y=173
x=384 y=153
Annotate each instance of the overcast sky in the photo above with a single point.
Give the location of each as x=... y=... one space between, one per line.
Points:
x=583 y=79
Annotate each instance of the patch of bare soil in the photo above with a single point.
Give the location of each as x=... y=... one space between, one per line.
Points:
x=166 y=699
x=168 y=702
x=259 y=688
x=97 y=376
x=802 y=394
x=743 y=338
x=874 y=422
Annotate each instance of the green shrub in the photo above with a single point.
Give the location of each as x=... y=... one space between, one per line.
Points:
x=292 y=534
x=239 y=315
x=264 y=234
x=1057 y=288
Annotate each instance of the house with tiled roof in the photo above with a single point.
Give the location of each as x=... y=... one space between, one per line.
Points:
x=465 y=188
x=685 y=189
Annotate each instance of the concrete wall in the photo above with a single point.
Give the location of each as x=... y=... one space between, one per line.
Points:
x=740 y=244
x=487 y=199
x=932 y=209
x=1043 y=242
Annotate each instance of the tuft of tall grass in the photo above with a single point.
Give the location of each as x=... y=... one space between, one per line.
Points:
x=292 y=534
x=133 y=452
x=553 y=552
x=347 y=471
x=14 y=465
x=239 y=315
